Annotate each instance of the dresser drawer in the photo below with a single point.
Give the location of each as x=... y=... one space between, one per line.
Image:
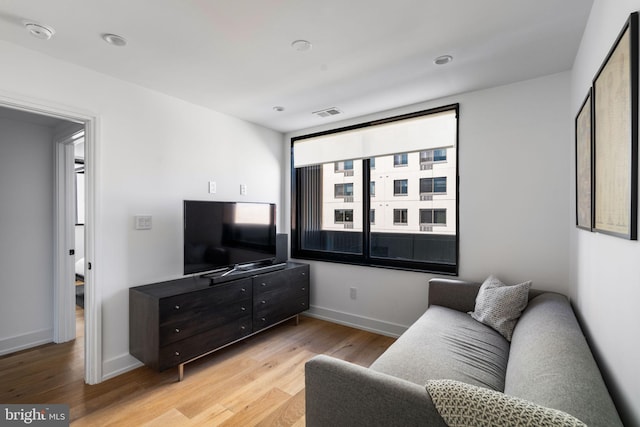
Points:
x=202 y=319
x=183 y=307
x=295 y=280
x=277 y=311
x=181 y=351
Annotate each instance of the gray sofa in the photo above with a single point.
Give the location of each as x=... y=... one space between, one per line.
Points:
x=548 y=362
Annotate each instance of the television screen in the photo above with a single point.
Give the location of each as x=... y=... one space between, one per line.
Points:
x=226 y=234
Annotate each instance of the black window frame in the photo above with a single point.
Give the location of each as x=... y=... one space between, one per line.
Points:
x=365 y=258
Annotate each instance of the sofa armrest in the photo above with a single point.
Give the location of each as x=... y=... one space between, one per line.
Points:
x=452 y=293
x=340 y=393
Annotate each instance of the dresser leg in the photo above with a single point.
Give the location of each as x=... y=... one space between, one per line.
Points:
x=297 y=319
x=180 y=371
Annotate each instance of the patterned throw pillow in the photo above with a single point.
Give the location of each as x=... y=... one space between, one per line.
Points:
x=500 y=306
x=461 y=404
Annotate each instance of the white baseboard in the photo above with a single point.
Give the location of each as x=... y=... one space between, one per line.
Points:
x=359 y=322
x=25 y=341
x=119 y=365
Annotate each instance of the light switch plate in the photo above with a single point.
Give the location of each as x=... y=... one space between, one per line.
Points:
x=143 y=222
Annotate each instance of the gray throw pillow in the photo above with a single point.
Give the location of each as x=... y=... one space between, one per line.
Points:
x=461 y=404
x=499 y=305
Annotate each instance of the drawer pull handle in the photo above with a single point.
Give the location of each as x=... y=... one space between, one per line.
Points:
x=304 y=274
x=243 y=308
x=177 y=353
x=243 y=290
x=263 y=319
x=263 y=302
x=302 y=304
x=177 y=331
x=263 y=284
x=304 y=289
x=243 y=327
x=177 y=307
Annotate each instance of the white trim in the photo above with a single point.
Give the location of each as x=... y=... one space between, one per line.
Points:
x=359 y=322
x=119 y=365
x=24 y=341
x=93 y=303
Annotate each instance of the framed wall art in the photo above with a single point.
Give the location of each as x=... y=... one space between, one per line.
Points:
x=615 y=132
x=584 y=166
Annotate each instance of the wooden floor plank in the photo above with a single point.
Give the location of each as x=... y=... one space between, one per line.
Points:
x=256 y=382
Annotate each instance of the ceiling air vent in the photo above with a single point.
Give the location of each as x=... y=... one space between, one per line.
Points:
x=327 y=112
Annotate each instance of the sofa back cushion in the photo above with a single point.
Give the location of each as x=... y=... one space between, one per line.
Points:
x=551 y=364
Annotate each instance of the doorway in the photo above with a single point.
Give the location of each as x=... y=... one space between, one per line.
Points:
x=69 y=125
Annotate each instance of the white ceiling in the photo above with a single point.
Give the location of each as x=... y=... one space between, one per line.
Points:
x=235 y=56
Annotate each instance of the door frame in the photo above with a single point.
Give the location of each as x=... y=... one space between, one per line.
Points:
x=92 y=297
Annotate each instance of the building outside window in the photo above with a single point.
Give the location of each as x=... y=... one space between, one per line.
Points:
x=400 y=160
x=343 y=215
x=343 y=190
x=400 y=187
x=375 y=220
x=433 y=185
x=433 y=216
x=399 y=216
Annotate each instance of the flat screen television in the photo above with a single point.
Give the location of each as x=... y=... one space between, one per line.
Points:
x=219 y=235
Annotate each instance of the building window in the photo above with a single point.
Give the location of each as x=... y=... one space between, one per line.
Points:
x=400 y=160
x=433 y=185
x=343 y=215
x=400 y=217
x=436 y=155
x=433 y=216
x=400 y=187
x=373 y=229
x=343 y=190
x=346 y=165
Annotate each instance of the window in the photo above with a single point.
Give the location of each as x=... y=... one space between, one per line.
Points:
x=433 y=185
x=343 y=190
x=375 y=220
x=436 y=155
x=433 y=216
x=346 y=165
x=399 y=216
x=400 y=160
x=400 y=187
x=343 y=215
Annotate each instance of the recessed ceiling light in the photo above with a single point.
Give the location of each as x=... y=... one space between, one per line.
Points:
x=301 y=45
x=278 y=108
x=114 y=40
x=39 y=31
x=442 y=60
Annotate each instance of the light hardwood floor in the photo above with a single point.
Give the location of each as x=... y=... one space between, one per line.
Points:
x=257 y=382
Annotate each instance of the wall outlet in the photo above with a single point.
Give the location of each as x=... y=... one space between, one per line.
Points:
x=243 y=189
x=353 y=293
x=143 y=222
x=212 y=187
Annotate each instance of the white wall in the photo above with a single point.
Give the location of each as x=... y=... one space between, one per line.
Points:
x=514 y=211
x=26 y=230
x=604 y=269
x=154 y=151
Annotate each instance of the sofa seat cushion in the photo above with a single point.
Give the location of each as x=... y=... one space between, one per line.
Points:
x=447 y=344
x=551 y=364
